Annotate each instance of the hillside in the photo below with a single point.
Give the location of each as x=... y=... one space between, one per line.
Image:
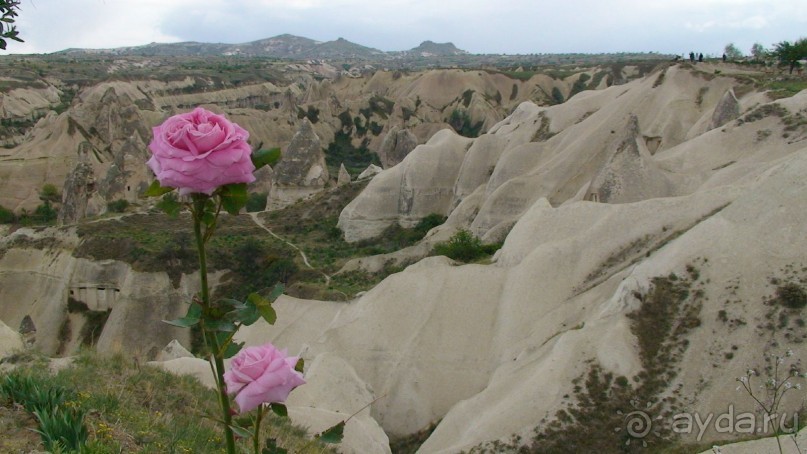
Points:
x=64 y=114
x=653 y=241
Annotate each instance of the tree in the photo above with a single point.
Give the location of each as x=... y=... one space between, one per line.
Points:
x=758 y=52
x=8 y=9
x=49 y=194
x=732 y=53
x=789 y=53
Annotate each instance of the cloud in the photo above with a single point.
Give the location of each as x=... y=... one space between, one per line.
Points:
x=482 y=26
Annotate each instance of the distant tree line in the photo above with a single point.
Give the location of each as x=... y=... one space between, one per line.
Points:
x=786 y=53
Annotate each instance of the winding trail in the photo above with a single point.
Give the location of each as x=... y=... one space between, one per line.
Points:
x=260 y=224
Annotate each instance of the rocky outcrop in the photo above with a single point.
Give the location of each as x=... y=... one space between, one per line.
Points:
x=629 y=175
x=371 y=171
x=10 y=340
x=590 y=147
x=301 y=170
x=74 y=301
x=344 y=176
x=78 y=189
x=726 y=110
x=420 y=185
x=396 y=145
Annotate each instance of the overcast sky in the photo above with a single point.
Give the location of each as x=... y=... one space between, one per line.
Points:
x=478 y=26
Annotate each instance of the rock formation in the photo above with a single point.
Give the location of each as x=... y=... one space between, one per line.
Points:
x=420 y=185
x=371 y=171
x=726 y=110
x=301 y=170
x=566 y=292
x=563 y=153
x=344 y=177
x=629 y=175
x=78 y=189
x=10 y=341
x=395 y=146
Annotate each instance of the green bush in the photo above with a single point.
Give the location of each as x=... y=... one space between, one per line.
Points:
x=465 y=247
x=118 y=206
x=6 y=215
x=557 y=96
x=429 y=222
x=461 y=122
x=792 y=295
x=256 y=202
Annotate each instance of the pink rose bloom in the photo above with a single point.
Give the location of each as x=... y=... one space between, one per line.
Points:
x=261 y=374
x=200 y=151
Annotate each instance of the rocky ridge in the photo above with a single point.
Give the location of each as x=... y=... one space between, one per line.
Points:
x=106 y=125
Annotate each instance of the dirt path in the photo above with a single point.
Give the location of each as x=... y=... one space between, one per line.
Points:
x=257 y=221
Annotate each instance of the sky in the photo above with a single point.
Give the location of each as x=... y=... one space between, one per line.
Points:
x=477 y=26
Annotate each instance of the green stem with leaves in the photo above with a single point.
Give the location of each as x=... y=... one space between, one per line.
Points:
x=216 y=352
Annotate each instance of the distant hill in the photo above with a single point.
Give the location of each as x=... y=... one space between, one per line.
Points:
x=282 y=46
x=432 y=49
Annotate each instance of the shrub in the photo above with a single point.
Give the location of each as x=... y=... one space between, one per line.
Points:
x=791 y=295
x=465 y=247
x=45 y=213
x=427 y=223
x=118 y=206
x=557 y=96
x=256 y=202
x=6 y=215
x=461 y=122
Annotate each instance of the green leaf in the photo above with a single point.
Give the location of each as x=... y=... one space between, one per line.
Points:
x=233 y=197
x=224 y=326
x=248 y=314
x=272 y=448
x=169 y=206
x=333 y=435
x=300 y=365
x=155 y=190
x=262 y=158
x=190 y=319
x=232 y=349
x=232 y=303
x=268 y=313
x=258 y=300
x=264 y=306
x=276 y=292
x=241 y=432
x=279 y=409
x=245 y=422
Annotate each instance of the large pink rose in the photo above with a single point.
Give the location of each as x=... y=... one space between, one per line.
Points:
x=200 y=151
x=261 y=374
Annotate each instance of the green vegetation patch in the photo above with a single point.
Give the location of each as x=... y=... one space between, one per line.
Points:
x=156 y=242
x=311 y=226
x=466 y=247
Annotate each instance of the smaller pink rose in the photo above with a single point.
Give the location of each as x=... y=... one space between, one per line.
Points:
x=199 y=151
x=260 y=375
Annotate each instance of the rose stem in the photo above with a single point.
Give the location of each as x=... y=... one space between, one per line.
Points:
x=256 y=439
x=199 y=201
